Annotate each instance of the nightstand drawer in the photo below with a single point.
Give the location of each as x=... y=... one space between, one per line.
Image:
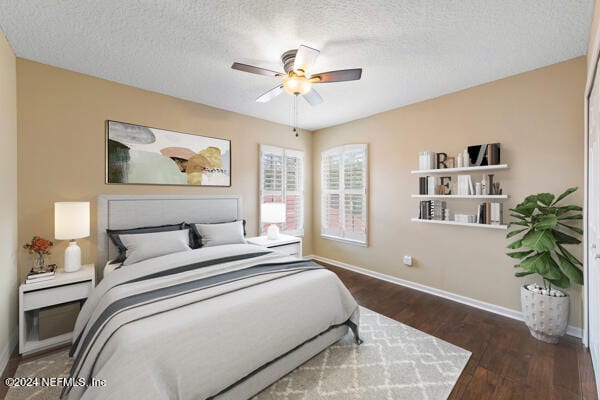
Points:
x=56 y=295
x=291 y=249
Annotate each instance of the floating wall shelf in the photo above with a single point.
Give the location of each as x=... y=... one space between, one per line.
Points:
x=431 y=221
x=457 y=170
x=458 y=196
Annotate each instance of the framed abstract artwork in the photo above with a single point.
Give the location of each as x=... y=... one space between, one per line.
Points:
x=137 y=154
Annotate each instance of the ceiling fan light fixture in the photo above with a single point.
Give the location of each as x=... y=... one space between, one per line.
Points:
x=295 y=84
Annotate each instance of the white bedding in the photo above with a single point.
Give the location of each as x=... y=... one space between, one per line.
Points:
x=198 y=343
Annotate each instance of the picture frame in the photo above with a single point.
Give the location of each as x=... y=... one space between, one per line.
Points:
x=143 y=155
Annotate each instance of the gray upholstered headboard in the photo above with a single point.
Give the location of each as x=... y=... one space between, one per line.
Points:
x=125 y=211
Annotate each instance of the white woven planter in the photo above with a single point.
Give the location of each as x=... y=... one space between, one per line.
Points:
x=546 y=316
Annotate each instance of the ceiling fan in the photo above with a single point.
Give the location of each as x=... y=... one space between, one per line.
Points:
x=298 y=78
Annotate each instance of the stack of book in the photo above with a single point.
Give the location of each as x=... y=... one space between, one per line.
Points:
x=489 y=213
x=465 y=218
x=427 y=160
x=432 y=209
x=41 y=275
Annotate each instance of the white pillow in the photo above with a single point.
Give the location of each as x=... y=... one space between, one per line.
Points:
x=218 y=234
x=143 y=246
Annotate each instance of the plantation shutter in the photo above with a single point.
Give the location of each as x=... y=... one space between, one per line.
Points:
x=344 y=193
x=282 y=181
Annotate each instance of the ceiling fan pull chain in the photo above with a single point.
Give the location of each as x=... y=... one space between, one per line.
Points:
x=295 y=130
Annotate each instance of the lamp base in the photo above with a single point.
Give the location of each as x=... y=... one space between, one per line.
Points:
x=273 y=232
x=72 y=257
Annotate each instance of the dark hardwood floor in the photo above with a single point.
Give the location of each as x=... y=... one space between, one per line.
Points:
x=507 y=363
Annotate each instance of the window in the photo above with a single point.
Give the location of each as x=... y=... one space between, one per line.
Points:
x=344 y=193
x=282 y=181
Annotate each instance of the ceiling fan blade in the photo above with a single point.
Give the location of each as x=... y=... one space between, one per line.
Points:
x=305 y=58
x=337 y=76
x=271 y=94
x=255 y=70
x=313 y=97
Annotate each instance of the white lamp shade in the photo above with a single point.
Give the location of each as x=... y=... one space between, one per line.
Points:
x=71 y=220
x=273 y=213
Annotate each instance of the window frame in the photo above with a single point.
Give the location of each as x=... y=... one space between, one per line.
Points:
x=285 y=153
x=342 y=234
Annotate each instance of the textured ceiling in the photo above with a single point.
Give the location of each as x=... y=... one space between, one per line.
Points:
x=409 y=50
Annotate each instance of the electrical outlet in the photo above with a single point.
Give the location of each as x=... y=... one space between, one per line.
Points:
x=408 y=261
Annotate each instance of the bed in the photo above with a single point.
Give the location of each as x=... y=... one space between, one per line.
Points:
x=220 y=322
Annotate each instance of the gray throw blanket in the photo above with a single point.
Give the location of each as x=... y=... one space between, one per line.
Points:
x=182 y=321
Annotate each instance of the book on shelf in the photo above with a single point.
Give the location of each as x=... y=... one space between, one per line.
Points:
x=432 y=210
x=423 y=185
x=40 y=275
x=465 y=185
x=489 y=213
x=496 y=214
x=436 y=210
x=431 y=185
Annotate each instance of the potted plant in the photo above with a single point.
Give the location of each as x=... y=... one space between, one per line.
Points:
x=545 y=230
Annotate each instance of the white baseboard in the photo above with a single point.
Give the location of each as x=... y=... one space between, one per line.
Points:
x=8 y=350
x=506 y=312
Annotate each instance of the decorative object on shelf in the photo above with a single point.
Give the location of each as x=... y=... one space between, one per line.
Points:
x=446 y=214
x=484 y=185
x=466 y=162
x=445 y=182
x=484 y=154
x=490 y=184
x=71 y=222
x=542 y=251
x=443 y=161
x=477 y=188
x=459 y=161
x=273 y=213
x=39 y=247
x=142 y=155
x=495 y=188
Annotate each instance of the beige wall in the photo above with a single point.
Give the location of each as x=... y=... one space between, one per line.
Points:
x=538 y=118
x=8 y=194
x=61 y=124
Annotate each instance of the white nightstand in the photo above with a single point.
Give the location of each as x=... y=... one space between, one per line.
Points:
x=291 y=245
x=64 y=288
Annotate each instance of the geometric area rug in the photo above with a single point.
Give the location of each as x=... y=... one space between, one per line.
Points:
x=394 y=362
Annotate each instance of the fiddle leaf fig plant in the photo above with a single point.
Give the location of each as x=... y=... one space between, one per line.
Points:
x=544 y=228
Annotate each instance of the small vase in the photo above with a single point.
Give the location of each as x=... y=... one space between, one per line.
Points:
x=39 y=262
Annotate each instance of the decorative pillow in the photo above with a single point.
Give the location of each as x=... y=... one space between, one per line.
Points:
x=143 y=246
x=218 y=234
x=114 y=235
x=196 y=239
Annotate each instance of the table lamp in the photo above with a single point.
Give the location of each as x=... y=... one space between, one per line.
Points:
x=273 y=213
x=72 y=221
